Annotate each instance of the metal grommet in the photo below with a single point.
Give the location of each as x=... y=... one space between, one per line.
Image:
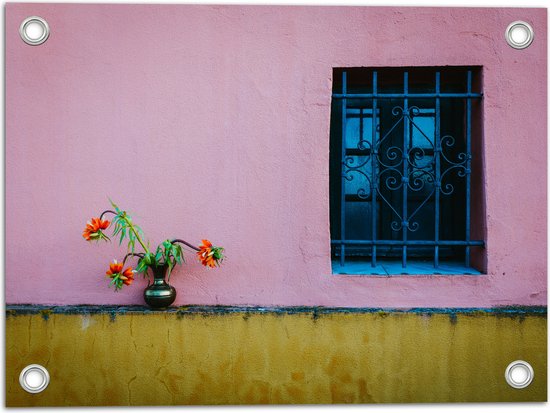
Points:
x=519 y=34
x=519 y=374
x=34 y=30
x=34 y=378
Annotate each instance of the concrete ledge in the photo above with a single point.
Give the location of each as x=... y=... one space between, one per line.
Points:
x=18 y=309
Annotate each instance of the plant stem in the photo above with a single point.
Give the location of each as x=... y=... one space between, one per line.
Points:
x=185 y=243
x=106 y=212
x=131 y=254
x=123 y=216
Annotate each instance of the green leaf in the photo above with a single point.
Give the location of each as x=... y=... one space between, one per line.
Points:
x=169 y=272
x=117 y=228
x=148 y=258
x=141 y=268
x=115 y=206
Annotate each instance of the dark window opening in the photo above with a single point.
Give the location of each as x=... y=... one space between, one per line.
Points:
x=401 y=165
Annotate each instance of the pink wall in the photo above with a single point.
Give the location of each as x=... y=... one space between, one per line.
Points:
x=213 y=121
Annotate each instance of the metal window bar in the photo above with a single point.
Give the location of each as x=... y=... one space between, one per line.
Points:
x=404 y=178
x=374 y=184
x=437 y=148
x=407 y=115
x=343 y=179
x=468 y=162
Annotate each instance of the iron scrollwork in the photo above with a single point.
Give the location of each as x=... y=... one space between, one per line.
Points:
x=394 y=167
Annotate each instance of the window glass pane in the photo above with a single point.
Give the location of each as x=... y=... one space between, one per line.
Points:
x=352 y=132
x=423 y=221
x=423 y=130
x=358 y=220
x=359 y=127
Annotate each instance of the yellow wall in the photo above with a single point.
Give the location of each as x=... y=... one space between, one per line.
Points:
x=234 y=358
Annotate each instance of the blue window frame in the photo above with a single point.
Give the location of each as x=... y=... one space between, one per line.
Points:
x=400 y=171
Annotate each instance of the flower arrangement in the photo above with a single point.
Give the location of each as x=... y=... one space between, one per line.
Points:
x=169 y=253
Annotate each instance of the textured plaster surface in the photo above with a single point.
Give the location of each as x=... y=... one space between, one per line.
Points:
x=242 y=358
x=213 y=121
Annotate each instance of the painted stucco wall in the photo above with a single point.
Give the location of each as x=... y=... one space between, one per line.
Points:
x=213 y=121
x=221 y=357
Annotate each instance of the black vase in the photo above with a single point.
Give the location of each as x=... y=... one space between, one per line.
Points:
x=160 y=294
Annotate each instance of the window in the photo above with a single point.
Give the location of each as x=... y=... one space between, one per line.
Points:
x=402 y=169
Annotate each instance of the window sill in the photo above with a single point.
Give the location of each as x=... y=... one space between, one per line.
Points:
x=394 y=268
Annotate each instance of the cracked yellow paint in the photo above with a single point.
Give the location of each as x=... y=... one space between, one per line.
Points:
x=237 y=358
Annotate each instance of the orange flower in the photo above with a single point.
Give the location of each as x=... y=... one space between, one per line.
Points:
x=118 y=276
x=208 y=255
x=127 y=276
x=93 y=230
x=115 y=268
